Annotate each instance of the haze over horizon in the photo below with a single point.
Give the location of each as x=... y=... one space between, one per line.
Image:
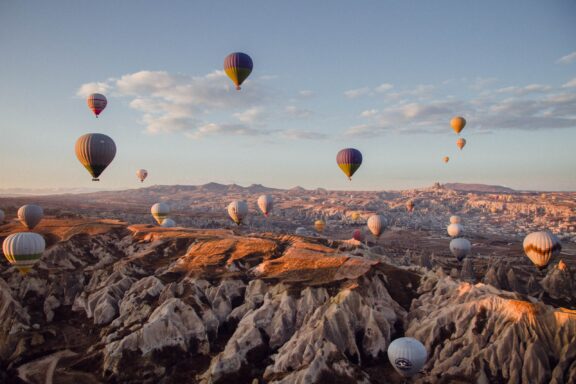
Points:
x=383 y=77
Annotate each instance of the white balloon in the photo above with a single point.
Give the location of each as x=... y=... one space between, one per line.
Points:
x=266 y=204
x=160 y=211
x=23 y=249
x=460 y=247
x=168 y=223
x=455 y=219
x=238 y=210
x=455 y=230
x=407 y=355
x=141 y=174
x=30 y=215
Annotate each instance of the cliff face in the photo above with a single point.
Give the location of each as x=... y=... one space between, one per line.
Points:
x=142 y=304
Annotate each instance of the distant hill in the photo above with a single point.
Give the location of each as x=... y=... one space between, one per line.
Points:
x=478 y=188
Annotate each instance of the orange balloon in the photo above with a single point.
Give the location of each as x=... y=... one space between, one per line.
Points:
x=458 y=123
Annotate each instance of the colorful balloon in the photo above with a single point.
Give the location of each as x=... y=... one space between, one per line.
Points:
x=23 y=250
x=446 y=159
x=376 y=224
x=455 y=230
x=95 y=151
x=460 y=143
x=97 y=103
x=141 y=174
x=238 y=67
x=460 y=247
x=540 y=247
x=407 y=355
x=410 y=205
x=319 y=226
x=354 y=216
x=168 y=223
x=349 y=160
x=30 y=215
x=358 y=235
x=238 y=210
x=160 y=211
x=265 y=203
x=458 y=123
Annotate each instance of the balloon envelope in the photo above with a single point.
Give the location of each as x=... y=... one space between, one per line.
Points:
x=407 y=355
x=358 y=235
x=168 y=223
x=455 y=230
x=446 y=159
x=458 y=123
x=141 y=174
x=376 y=224
x=454 y=219
x=460 y=247
x=95 y=151
x=160 y=211
x=23 y=250
x=410 y=205
x=97 y=102
x=319 y=226
x=238 y=67
x=460 y=143
x=349 y=160
x=238 y=210
x=265 y=203
x=540 y=247
x=30 y=215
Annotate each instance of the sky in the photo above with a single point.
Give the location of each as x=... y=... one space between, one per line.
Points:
x=384 y=77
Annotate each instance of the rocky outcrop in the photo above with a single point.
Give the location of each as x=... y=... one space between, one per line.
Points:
x=559 y=282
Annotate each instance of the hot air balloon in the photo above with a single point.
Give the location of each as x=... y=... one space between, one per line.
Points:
x=238 y=210
x=265 y=203
x=2 y=216
x=410 y=205
x=407 y=355
x=97 y=103
x=349 y=160
x=160 y=211
x=358 y=235
x=30 y=215
x=238 y=67
x=301 y=231
x=455 y=230
x=23 y=250
x=354 y=216
x=319 y=226
x=460 y=247
x=460 y=143
x=168 y=223
x=455 y=219
x=376 y=224
x=540 y=247
x=458 y=123
x=141 y=174
x=95 y=151
x=446 y=159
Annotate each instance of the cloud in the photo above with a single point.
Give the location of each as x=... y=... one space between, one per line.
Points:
x=306 y=93
x=384 y=87
x=355 y=93
x=568 y=59
x=528 y=107
x=570 y=84
x=294 y=134
x=202 y=106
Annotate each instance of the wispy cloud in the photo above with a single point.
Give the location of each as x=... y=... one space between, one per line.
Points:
x=294 y=134
x=202 y=106
x=368 y=91
x=570 y=84
x=568 y=59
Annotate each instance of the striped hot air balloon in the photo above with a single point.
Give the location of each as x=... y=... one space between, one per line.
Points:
x=349 y=160
x=540 y=247
x=23 y=250
x=160 y=211
x=458 y=123
x=376 y=224
x=238 y=67
x=460 y=143
x=95 y=151
x=97 y=103
x=30 y=215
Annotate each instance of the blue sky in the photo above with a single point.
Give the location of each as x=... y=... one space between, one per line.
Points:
x=381 y=76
